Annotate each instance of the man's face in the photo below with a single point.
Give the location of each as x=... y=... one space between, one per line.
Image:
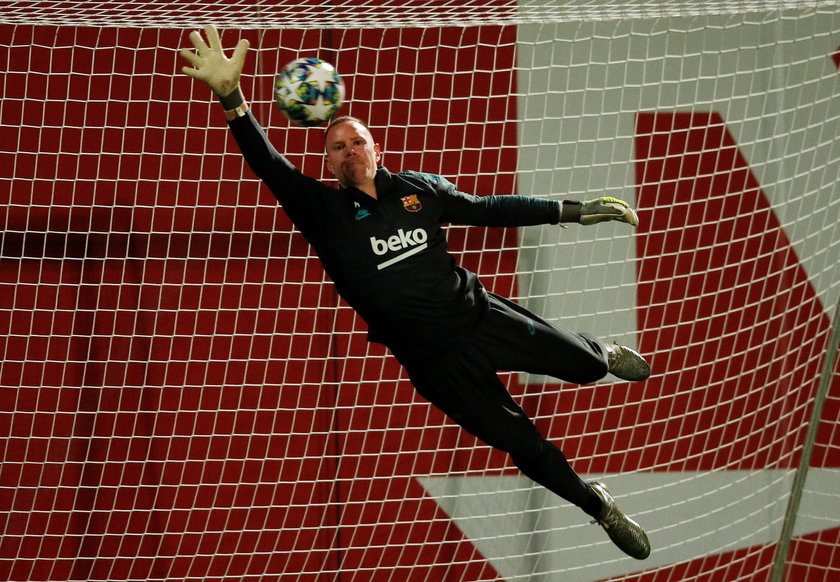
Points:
x=351 y=154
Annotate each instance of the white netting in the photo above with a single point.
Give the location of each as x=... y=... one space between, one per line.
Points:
x=316 y=14
x=185 y=397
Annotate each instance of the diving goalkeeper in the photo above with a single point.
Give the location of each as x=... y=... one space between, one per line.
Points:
x=379 y=237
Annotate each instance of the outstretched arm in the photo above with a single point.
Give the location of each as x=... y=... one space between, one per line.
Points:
x=463 y=208
x=221 y=74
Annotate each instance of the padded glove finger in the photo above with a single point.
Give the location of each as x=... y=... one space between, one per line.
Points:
x=211 y=66
x=607 y=208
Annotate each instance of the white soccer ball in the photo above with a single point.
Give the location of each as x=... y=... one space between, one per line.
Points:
x=309 y=91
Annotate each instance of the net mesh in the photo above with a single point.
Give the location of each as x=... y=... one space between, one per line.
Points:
x=186 y=398
x=341 y=14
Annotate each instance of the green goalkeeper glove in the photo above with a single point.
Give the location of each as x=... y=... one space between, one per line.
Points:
x=599 y=210
x=210 y=65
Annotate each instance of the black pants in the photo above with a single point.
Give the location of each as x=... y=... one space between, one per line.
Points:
x=465 y=386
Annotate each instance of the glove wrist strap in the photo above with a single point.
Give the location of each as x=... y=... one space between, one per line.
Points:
x=570 y=211
x=232 y=100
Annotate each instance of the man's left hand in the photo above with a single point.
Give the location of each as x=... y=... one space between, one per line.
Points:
x=604 y=209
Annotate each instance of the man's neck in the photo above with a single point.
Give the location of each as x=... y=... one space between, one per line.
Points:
x=370 y=190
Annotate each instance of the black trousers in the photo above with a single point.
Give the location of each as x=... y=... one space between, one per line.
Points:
x=464 y=384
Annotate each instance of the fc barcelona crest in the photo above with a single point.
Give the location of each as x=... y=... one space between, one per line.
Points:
x=411 y=203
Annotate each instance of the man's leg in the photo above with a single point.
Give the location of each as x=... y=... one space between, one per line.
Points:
x=518 y=340
x=481 y=404
x=467 y=390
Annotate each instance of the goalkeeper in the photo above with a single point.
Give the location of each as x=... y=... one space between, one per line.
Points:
x=379 y=238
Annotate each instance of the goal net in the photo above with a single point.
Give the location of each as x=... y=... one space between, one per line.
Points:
x=186 y=398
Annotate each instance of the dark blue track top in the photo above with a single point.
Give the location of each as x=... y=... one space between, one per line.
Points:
x=388 y=256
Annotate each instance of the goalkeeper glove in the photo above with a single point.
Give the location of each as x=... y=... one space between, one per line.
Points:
x=210 y=65
x=599 y=210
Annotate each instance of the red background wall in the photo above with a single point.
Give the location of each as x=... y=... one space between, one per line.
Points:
x=186 y=397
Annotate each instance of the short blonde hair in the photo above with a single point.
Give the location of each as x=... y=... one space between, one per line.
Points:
x=343 y=119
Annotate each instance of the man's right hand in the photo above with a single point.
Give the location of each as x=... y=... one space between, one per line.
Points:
x=210 y=65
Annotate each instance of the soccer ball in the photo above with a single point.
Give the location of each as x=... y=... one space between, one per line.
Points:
x=309 y=91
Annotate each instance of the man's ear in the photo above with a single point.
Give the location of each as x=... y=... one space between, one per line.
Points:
x=328 y=165
x=378 y=151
